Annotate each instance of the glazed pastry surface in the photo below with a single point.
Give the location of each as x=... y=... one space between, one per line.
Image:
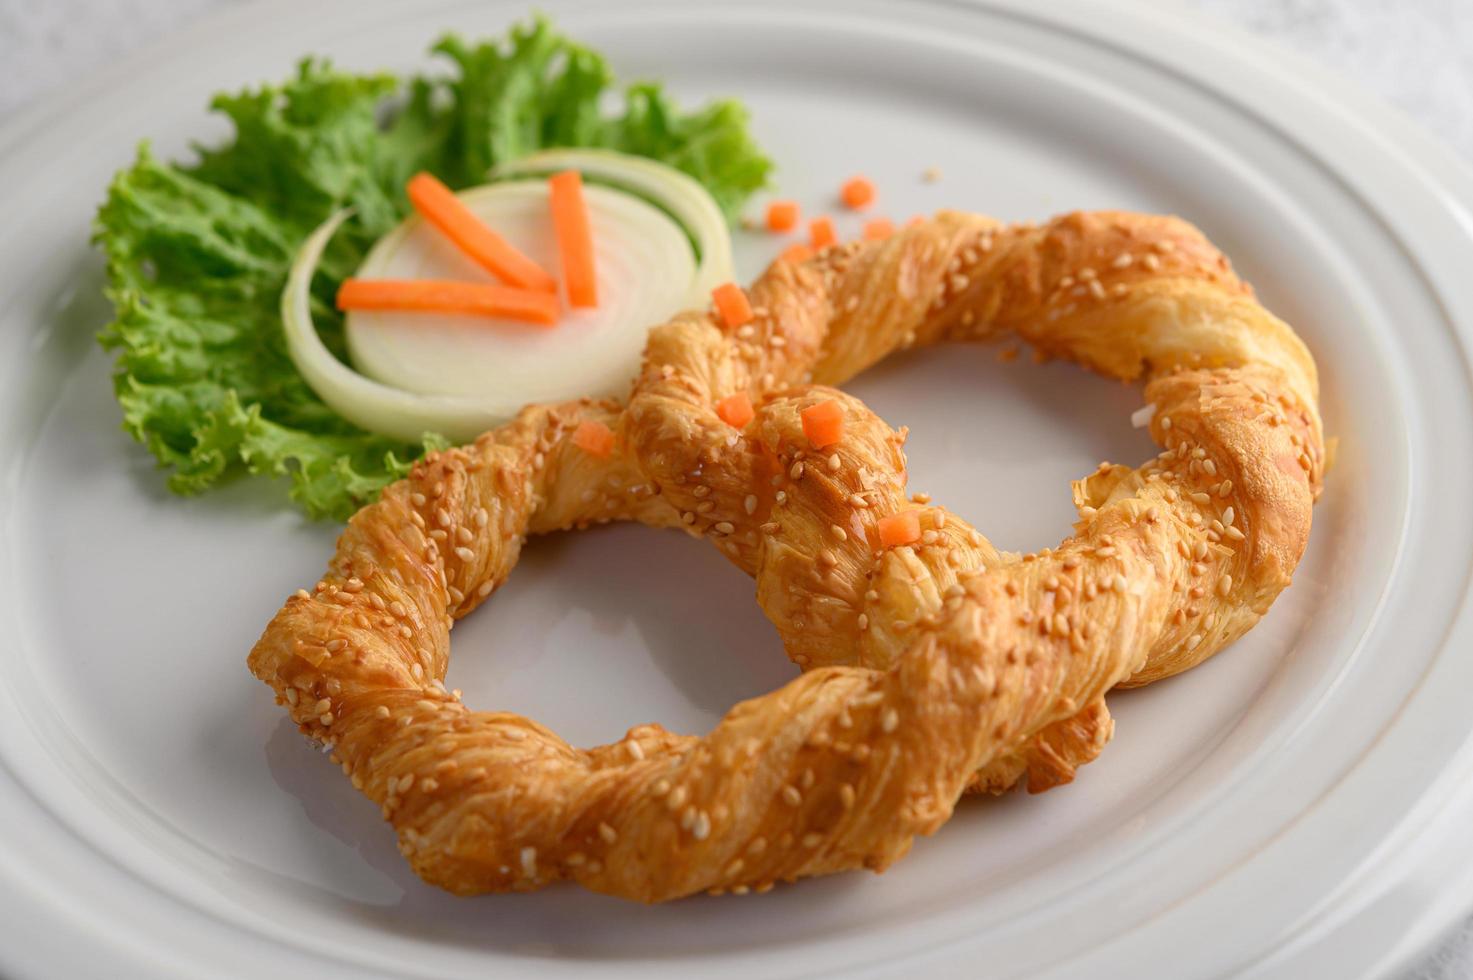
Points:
x=928 y=669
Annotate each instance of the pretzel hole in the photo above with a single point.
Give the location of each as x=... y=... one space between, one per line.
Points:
x=999 y=443
x=601 y=630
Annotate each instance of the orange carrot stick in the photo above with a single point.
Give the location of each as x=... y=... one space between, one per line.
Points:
x=438 y=205
x=574 y=237
x=448 y=296
x=823 y=423
x=732 y=305
x=782 y=215
x=594 y=438
x=898 y=529
x=736 y=410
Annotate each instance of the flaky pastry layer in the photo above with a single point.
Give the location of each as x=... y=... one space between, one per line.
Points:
x=928 y=669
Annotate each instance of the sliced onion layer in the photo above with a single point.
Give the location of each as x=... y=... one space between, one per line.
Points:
x=677 y=193
x=364 y=402
x=459 y=375
x=644 y=268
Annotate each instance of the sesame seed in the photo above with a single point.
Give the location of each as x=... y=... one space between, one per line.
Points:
x=1122 y=261
x=812 y=840
x=791 y=796
x=724 y=527
x=1234 y=533
x=758 y=845
x=1165 y=422
x=636 y=750
x=1200 y=498
x=1096 y=289
x=1117 y=582
x=609 y=834
x=382 y=711
x=465 y=554
x=677 y=797
x=1224 y=585
x=701 y=828
x=1228 y=515
x=529 y=861
x=796 y=471
x=1193 y=640
x=890 y=721
x=750 y=503
x=855 y=500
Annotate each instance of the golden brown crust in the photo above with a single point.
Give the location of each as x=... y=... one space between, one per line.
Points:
x=928 y=668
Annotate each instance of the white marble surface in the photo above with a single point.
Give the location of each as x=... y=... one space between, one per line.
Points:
x=1417 y=54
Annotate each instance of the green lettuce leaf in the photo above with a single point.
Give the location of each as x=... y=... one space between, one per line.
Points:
x=198 y=253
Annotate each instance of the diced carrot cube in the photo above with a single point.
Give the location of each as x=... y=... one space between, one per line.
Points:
x=782 y=215
x=594 y=438
x=857 y=193
x=899 y=529
x=797 y=254
x=736 y=410
x=821 y=231
x=879 y=228
x=823 y=423
x=732 y=305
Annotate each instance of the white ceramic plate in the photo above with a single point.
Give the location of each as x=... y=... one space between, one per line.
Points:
x=1285 y=810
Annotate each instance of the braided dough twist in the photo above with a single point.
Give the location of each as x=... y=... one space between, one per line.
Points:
x=928 y=669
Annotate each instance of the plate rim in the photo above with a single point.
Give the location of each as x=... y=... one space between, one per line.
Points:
x=1418 y=153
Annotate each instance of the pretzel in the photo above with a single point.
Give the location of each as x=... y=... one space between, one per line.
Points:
x=927 y=668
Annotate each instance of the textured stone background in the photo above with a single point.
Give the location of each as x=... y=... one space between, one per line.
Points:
x=1416 y=54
